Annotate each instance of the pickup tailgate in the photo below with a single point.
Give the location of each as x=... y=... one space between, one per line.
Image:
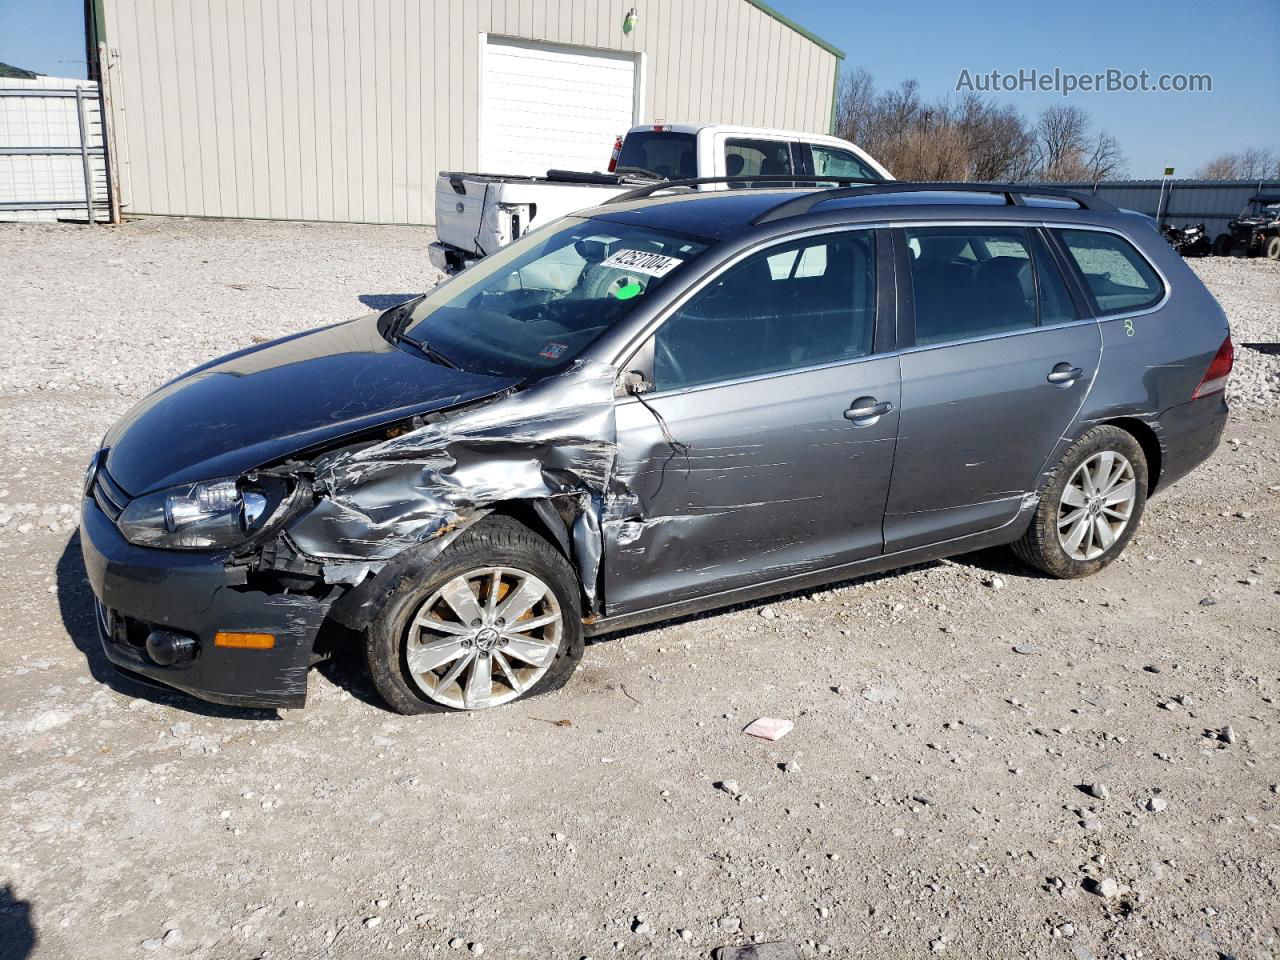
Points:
x=460 y=210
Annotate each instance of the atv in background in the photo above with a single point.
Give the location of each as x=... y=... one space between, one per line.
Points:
x=1256 y=232
x=1190 y=241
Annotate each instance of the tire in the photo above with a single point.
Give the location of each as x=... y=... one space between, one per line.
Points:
x=497 y=550
x=1272 y=247
x=1222 y=245
x=1042 y=548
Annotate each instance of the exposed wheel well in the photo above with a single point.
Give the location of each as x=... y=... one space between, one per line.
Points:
x=1149 y=442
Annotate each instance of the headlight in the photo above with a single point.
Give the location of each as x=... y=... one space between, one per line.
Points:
x=215 y=514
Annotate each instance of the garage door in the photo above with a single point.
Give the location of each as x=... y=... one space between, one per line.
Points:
x=549 y=107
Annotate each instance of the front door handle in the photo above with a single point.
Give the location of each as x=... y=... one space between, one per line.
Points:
x=1064 y=374
x=866 y=410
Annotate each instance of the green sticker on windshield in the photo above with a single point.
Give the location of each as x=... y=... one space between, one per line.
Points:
x=627 y=290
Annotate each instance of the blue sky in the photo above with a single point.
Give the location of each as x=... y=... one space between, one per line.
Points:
x=1237 y=42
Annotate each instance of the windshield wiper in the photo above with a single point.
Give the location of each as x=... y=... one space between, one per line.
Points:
x=431 y=353
x=638 y=172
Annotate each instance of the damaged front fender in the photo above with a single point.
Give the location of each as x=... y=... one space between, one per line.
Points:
x=554 y=441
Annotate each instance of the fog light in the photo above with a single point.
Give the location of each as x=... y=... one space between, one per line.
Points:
x=244 y=641
x=167 y=648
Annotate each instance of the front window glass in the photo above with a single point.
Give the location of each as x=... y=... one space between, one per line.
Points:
x=799 y=304
x=1119 y=278
x=839 y=163
x=536 y=304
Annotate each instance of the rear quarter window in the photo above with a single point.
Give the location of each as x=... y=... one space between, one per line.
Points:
x=1119 y=278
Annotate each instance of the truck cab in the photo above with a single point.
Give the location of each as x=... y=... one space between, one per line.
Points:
x=479 y=213
x=684 y=150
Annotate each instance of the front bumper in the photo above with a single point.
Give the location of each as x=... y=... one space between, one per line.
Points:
x=139 y=589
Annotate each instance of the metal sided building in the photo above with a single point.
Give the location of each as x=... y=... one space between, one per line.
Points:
x=345 y=110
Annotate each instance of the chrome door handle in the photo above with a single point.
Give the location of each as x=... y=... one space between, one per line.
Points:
x=1064 y=373
x=867 y=408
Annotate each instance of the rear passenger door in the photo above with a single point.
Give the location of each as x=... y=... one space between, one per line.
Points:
x=998 y=363
x=765 y=447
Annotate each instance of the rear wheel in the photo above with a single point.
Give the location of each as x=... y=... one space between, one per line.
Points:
x=1090 y=507
x=1272 y=247
x=498 y=618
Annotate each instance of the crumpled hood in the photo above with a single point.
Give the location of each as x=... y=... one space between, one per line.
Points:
x=258 y=405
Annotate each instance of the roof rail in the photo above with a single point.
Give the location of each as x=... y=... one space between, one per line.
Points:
x=775 y=179
x=1012 y=192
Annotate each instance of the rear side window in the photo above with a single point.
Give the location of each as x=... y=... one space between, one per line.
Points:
x=970 y=282
x=752 y=158
x=1119 y=278
x=795 y=305
x=672 y=156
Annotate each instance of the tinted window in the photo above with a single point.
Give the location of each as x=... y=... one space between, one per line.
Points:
x=970 y=281
x=795 y=305
x=535 y=304
x=839 y=163
x=672 y=156
x=757 y=158
x=1119 y=278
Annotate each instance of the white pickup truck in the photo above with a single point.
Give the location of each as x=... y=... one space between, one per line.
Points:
x=477 y=213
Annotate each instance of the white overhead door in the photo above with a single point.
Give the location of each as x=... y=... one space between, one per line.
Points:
x=547 y=107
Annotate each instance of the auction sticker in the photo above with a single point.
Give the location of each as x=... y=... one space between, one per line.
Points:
x=642 y=261
x=553 y=350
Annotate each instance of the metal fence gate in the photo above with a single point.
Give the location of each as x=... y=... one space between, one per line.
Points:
x=53 y=159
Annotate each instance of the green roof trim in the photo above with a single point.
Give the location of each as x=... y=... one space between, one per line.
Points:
x=787 y=21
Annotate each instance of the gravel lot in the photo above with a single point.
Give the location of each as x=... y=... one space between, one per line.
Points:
x=930 y=800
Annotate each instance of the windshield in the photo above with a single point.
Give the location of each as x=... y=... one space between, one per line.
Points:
x=535 y=305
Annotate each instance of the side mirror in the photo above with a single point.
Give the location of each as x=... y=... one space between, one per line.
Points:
x=634 y=383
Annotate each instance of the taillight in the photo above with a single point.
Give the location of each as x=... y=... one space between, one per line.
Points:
x=617 y=149
x=1215 y=378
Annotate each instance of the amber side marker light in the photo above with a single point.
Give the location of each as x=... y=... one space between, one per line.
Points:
x=244 y=641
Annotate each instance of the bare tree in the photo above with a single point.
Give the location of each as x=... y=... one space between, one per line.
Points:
x=1222 y=167
x=996 y=138
x=1252 y=163
x=1066 y=149
x=855 y=105
x=970 y=138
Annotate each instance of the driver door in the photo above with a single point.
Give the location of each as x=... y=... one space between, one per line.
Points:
x=765 y=447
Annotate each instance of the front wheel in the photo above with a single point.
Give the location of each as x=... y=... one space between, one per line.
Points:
x=497 y=618
x=1090 y=507
x=1222 y=245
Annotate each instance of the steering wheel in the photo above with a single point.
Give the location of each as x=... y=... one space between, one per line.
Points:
x=668 y=358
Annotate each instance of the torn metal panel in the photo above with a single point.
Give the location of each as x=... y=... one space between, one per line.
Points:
x=555 y=439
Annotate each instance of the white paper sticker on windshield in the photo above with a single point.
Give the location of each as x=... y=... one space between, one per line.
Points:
x=642 y=261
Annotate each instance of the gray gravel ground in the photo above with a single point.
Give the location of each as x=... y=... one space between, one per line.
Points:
x=942 y=792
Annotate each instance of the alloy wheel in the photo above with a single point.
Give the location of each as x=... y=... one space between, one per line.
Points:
x=484 y=638
x=1096 y=506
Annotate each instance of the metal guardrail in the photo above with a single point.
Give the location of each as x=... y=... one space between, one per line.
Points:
x=84 y=150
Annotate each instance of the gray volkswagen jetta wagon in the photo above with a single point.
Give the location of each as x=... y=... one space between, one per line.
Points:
x=660 y=406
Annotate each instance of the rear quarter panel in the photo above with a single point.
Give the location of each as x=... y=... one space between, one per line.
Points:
x=1152 y=360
